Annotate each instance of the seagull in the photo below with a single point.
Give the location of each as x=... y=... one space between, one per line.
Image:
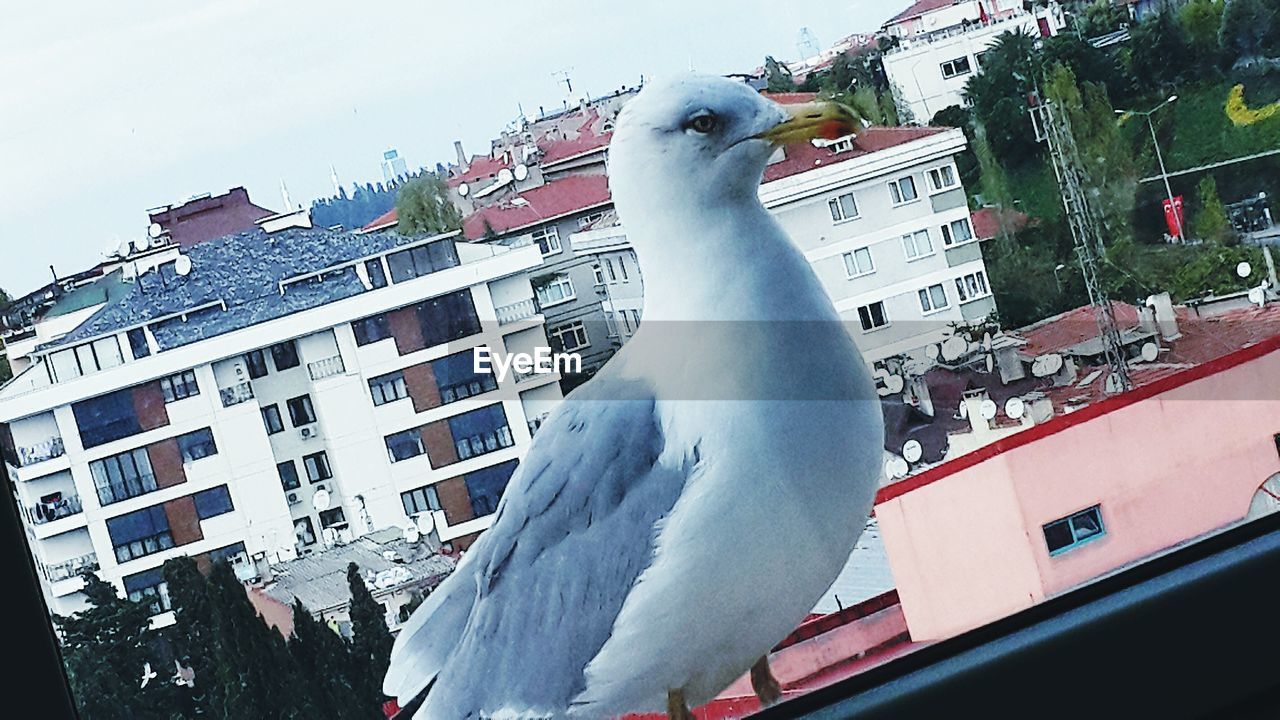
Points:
x=681 y=512
x=147 y=675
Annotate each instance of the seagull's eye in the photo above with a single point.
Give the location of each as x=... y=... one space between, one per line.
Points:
x=703 y=123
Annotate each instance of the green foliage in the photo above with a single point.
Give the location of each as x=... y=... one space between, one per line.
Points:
x=192 y=634
x=1249 y=29
x=323 y=658
x=998 y=95
x=423 y=207
x=1201 y=21
x=1099 y=18
x=1211 y=222
x=1135 y=271
x=1088 y=63
x=777 y=76
x=372 y=641
x=1159 y=52
x=966 y=160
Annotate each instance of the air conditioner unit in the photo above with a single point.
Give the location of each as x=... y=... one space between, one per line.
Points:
x=294 y=499
x=307 y=432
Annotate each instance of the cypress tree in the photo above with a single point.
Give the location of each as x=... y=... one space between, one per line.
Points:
x=372 y=641
x=323 y=658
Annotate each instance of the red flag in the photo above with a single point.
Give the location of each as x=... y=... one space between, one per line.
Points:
x=982 y=14
x=1175 y=224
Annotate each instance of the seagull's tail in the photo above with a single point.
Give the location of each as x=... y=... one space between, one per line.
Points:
x=425 y=643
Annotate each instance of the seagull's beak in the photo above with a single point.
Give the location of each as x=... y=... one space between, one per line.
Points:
x=806 y=121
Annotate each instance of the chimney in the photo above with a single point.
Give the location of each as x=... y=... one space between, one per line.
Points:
x=1165 y=319
x=462 y=156
x=1147 y=320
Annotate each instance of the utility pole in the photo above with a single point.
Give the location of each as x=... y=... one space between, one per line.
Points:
x=1168 y=192
x=1086 y=230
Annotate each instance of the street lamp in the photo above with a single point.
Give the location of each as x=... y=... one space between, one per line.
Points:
x=1058 y=279
x=1177 y=219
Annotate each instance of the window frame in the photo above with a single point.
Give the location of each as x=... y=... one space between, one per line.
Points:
x=962 y=290
x=289 y=351
x=303 y=402
x=378 y=388
x=559 y=332
x=955 y=67
x=380 y=323
x=1069 y=520
x=948 y=233
x=550 y=234
x=560 y=280
x=934 y=186
x=179 y=386
x=869 y=319
x=913 y=238
x=897 y=196
x=272 y=410
x=927 y=301
x=836 y=207
x=323 y=468
x=201 y=440
x=852 y=255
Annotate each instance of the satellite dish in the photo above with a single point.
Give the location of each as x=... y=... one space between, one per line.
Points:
x=894 y=384
x=1257 y=296
x=411 y=534
x=991 y=360
x=987 y=409
x=154 y=230
x=1244 y=270
x=320 y=500
x=123 y=250
x=895 y=467
x=954 y=347
x=464 y=189
x=330 y=536
x=522 y=171
x=912 y=451
x=963 y=411
x=504 y=176
x=182 y=265
x=932 y=351
x=140 y=244
x=1150 y=351
x=986 y=341
x=426 y=523
x=1014 y=407
x=881 y=376
x=1046 y=365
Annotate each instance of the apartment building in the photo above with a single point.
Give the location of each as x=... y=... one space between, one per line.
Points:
x=265 y=395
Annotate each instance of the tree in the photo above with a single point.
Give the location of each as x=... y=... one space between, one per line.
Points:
x=1211 y=222
x=371 y=642
x=999 y=93
x=966 y=161
x=1201 y=21
x=423 y=207
x=1099 y=18
x=192 y=633
x=324 y=659
x=1159 y=54
x=777 y=76
x=1248 y=30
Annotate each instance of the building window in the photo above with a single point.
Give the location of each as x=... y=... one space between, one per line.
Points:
x=317 y=465
x=196 y=445
x=137 y=534
x=212 y=502
x=85 y=359
x=138 y=343
x=257 y=364
x=371 y=329
x=586 y=220
x=1075 y=530
x=608 y=265
x=271 y=419
x=480 y=431
x=422 y=260
x=626 y=321
x=388 y=388
x=917 y=244
x=843 y=208
x=123 y=476
x=942 y=178
x=841 y=145
x=180 y=386
x=622 y=268
x=447 y=318
x=933 y=298
x=484 y=487
x=377 y=276
x=599 y=271
x=570 y=336
x=304 y=531
x=955 y=68
x=972 y=286
x=424 y=499
x=288 y=475
x=149 y=587
x=457 y=379
x=106 y=418
x=300 y=411
x=559 y=289
x=858 y=262
x=872 y=316
x=903 y=190
x=332 y=516
x=404 y=445
x=957 y=232
x=548 y=239
x=285 y=355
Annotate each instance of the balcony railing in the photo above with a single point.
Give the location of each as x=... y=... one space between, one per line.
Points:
x=327 y=367
x=516 y=311
x=70 y=568
x=43 y=512
x=236 y=394
x=40 y=452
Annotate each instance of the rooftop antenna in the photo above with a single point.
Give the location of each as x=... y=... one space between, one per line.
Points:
x=333 y=178
x=284 y=193
x=563 y=76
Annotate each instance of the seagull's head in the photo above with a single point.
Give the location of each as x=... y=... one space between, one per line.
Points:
x=707 y=139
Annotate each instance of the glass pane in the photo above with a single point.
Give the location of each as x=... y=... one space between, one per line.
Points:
x=847 y=205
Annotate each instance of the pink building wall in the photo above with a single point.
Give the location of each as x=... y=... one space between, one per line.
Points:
x=1167 y=462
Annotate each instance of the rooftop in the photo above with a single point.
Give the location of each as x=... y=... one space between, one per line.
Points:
x=918 y=8
x=806 y=156
x=535 y=206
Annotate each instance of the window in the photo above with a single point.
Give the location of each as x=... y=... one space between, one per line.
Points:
x=84 y=359
x=196 y=445
x=404 y=445
x=942 y=178
x=424 y=499
x=300 y=411
x=257 y=364
x=917 y=244
x=123 y=476
x=212 y=502
x=140 y=533
x=149 y=587
x=548 y=239
x=288 y=475
x=599 y=271
x=872 y=316
x=635 y=317
x=841 y=145
x=304 y=531
x=557 y=290
x=843 y=208
x=586 y=220
x=955 y=68
x=622 y=267
x=972 y=286
x=457 y=379
x=371 y=329
x=485 y=487
x=106 y=418
x=447 y=318
x=271 y=418
x=317 y=465
x=138 y=343
x=903 y=190
x=332 y=516
x=858 y=262
x=422 y=260
x=626 y=322
x=388 y=388
x=285 y=355
x=480 y=431
x=957 y=232
x=608 y=265
x=180 y=386
x=570 y=336
x=377 y=276
x=933 y=298
x=1075 y=530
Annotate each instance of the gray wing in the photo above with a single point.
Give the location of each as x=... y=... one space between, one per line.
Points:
x=536 y=596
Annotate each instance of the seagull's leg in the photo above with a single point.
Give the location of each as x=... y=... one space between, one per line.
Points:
x=676 y=709
x=764 y=683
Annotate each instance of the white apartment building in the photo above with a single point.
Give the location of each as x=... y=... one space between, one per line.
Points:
x=940 y=46
x=268 y=394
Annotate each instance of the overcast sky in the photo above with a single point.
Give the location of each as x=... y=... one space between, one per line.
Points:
x=107 y=109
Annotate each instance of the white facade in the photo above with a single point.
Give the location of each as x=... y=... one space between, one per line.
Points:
x=69 y=499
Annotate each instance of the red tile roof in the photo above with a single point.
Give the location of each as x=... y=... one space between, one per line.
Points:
x=479 y=168
x=386 y=219
x=986 y=221
x=806 y=156
x=556 y=199
x=585 y=140
x=920 y=7
x=1064 y=330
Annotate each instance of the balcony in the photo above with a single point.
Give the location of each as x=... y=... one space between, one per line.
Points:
x=70 y=568
x=236 y=394
x=47 y=450
x=516 y=311
x=326 y=368
x=44 y=512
